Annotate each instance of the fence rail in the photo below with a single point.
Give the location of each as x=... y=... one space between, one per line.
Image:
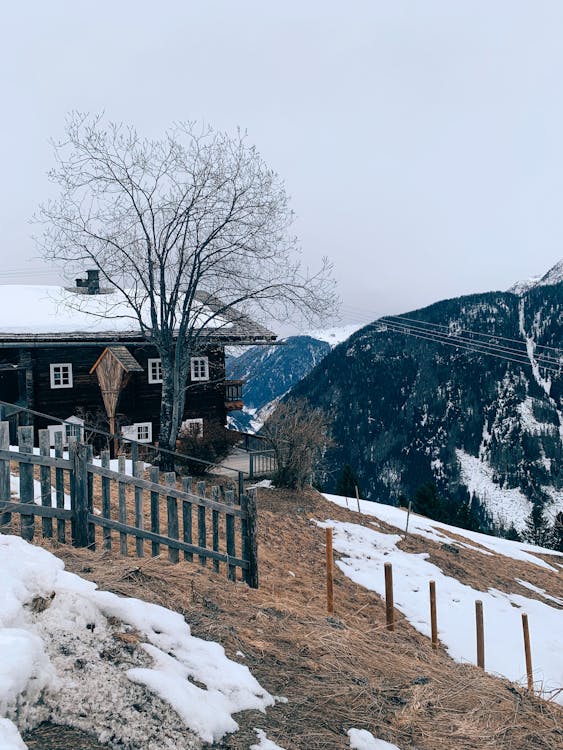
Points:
x=96 y=498
x=261 y=463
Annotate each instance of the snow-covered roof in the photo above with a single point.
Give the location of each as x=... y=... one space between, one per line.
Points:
x=46 y=313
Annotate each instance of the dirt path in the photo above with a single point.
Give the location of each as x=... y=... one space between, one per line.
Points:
x=342 y=671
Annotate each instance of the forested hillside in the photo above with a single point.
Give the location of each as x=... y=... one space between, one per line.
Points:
x=409 y=412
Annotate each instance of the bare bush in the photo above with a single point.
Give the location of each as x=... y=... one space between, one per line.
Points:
x=299 y=434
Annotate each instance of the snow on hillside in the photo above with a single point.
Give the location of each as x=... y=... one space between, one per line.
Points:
x=506 y=506
x=553 y=276
x=365 y=549
x=87 y=658
x=335 y=335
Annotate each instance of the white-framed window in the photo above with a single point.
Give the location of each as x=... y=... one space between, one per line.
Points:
x=140 y=431
x=155 y=370
x=192 y=427
x=73 y=430
x=73 y=427
x=199 y=368
x=61 y=375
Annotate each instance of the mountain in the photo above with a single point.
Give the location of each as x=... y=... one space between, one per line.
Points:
x=270 y=372
x=408 y=410
x=553 y=276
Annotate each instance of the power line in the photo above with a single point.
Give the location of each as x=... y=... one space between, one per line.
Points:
x=464 y=345
x=475 y=333
x=491 y=344
x=359 y=315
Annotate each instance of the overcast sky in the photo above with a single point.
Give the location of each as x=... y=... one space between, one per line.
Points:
x=421 y=140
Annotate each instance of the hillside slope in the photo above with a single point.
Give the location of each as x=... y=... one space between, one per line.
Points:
x=406 y=410
x=347 y=671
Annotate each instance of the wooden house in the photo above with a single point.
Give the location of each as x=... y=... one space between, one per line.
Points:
x=81 y=364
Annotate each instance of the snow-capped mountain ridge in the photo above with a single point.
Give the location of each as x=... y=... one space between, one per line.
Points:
x=553 y=276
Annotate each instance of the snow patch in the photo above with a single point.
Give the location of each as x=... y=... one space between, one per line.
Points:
x=361 y=739
x=506 y=506
x=89 y=659
x=265 y=743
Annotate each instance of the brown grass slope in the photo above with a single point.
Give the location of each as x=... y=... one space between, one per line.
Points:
x=342 y=671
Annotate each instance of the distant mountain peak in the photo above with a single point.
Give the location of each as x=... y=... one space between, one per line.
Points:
x=335 y=335
x=553 y=276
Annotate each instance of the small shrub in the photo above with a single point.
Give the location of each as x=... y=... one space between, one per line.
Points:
x=211 y=446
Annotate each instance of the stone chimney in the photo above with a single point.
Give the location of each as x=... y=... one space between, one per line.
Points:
x=93 y=281
x=91 y=284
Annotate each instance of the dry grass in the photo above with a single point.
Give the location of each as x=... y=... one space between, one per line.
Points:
x=346 y=670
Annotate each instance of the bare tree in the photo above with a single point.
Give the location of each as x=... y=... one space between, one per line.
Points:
x=191 y=231
x=299 y=434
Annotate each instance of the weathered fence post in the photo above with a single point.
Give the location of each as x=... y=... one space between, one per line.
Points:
x=80 y=515
x=480 y=634
x=122 y=505
x=201 y=523
x=187 y=517
x=134 y=455
x=528 y=652
x=251 y=538
x=155 y=510
x=172 y=517
x=251 y=465
x=5 y=518
x=60 y=487
x=329 y=571
x=45 y=476
x=25 y=443
x=358 y=499
x=389 y=604
x=408 y=518
x=139 y=521
x=106 y=501
x=90 y=485
x=433 y=617
x=215 y=526
x=230 y=534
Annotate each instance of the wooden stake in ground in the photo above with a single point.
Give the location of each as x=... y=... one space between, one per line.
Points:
x=480 y=634
x=528 y=652
x=433 y=617
x=329 y=572
x=358 y=500
x=389 y=606
x=408 y=517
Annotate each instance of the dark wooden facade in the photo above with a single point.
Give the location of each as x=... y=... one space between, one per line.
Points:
x=36 y=361
x=25 y=379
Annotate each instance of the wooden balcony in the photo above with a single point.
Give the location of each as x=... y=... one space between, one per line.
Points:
x=233 y=394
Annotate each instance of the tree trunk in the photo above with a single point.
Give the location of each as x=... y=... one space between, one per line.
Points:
x=171 y=409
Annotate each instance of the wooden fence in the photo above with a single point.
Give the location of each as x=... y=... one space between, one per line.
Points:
x=217 y=528
x=261 y=463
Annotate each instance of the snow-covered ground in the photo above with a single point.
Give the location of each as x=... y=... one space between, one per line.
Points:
x=124 y=669
x=364 y=550
x=506 y=506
